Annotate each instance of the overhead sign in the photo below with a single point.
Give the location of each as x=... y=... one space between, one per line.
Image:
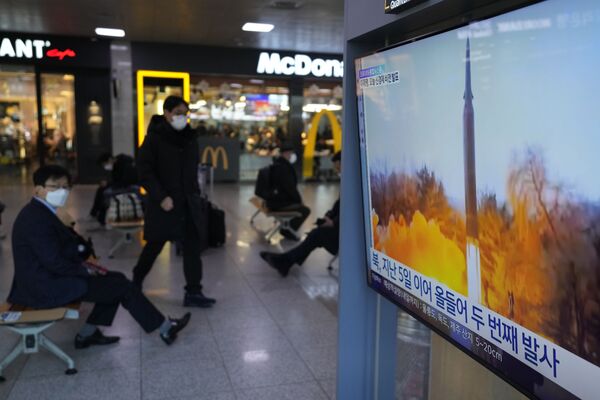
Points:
x=299 y=65
x=32 y=49
x=396 y=6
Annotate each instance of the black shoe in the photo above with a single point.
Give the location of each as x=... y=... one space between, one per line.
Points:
x=95 y=339
x=197 y=299
x=286 y=233
x=176 y=326
x=277 y=261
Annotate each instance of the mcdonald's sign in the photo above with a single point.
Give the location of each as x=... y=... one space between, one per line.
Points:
x=309 y=149
x=214 y=154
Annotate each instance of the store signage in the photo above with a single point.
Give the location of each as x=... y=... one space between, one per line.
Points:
x=31 y=49
x=299 y=65
x=396 y=6
x=20 y=48
x=214 y=156
x=60 y=54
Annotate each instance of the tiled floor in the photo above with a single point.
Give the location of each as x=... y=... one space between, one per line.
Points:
x=267 y=337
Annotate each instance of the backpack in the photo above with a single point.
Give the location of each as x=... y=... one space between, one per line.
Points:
x=125 y=207
x=263 y=187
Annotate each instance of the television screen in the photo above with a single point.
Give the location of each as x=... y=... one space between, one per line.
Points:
x=480 y=151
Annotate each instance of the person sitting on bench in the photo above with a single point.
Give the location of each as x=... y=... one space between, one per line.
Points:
x=123 y=174
x=49 y=272
x=326 y=234
x=284 y=190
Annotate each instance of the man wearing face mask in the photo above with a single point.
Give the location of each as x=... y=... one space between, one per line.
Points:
x=49 y=270
x=284 y=188
x=168 y=169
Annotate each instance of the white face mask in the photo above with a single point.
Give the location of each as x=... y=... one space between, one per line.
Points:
x=108 y=167
x=58 y=197
x=293 y=158
x=179 y=122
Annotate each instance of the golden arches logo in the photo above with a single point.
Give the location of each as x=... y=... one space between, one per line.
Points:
x=214 y=156
x=309 y=149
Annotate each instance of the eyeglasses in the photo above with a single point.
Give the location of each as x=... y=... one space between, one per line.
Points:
x=56 y=187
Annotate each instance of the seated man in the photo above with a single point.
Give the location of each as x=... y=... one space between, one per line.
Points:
x=49 y=272
x=326 y=234
x=123 y=174
x=284 y=190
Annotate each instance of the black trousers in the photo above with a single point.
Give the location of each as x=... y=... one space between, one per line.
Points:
x=192 y=263
x=298 y=221
x=114 y=289
x=99 y=207
x=323 y=236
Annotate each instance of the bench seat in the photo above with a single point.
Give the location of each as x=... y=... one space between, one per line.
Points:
x=281 y=219
x=30 y=323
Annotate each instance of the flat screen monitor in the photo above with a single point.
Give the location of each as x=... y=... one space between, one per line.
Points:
x=480 y=157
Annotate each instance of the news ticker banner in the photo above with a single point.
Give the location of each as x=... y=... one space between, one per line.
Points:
x=520 y=355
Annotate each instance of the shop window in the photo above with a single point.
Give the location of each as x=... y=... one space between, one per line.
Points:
x=18 y=115
x=58 y=119
x=251 y=112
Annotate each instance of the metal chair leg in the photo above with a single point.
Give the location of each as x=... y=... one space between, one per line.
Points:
x=54 y=349
x=16 y=351
x=276 y=227
x=122 y=240
x=253 y=218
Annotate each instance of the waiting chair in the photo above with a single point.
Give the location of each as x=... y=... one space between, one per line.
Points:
x=281 y=219
x=30 y=324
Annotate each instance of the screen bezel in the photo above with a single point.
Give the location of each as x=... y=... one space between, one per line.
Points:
x=365 y=180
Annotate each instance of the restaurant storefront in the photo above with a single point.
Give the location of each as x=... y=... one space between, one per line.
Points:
x=54 y=103
x=246 y=102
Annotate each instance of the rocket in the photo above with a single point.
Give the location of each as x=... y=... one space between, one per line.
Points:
x=472 y=250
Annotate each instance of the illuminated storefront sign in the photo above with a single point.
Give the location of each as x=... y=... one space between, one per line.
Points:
x=32 y=49
x=60 y=54
x=214 y=156
x=299 y=65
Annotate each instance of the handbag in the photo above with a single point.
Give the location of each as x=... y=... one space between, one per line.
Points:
x=125 y=207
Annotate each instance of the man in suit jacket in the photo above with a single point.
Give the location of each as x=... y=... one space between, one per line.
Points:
x=326 y=235
x=49 y=271
x=284 y=188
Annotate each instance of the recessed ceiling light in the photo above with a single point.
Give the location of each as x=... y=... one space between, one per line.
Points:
x=256 y=27
x=110 y=32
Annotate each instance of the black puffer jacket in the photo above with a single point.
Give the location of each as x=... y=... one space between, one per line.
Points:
x=168 y=167
x=284 y=184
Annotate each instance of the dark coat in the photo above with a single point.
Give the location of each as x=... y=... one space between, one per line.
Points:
x=168 y=167
x=334 y=213
x=284 y=184
x=124 y=173
x=48 y=268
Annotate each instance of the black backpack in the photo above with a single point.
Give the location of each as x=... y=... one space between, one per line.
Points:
x=263 y=183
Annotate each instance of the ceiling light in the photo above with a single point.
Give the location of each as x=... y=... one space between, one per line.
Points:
x=256 y=27
x=110 y=32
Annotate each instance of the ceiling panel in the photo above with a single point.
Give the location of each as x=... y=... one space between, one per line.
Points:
x=316 y=25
